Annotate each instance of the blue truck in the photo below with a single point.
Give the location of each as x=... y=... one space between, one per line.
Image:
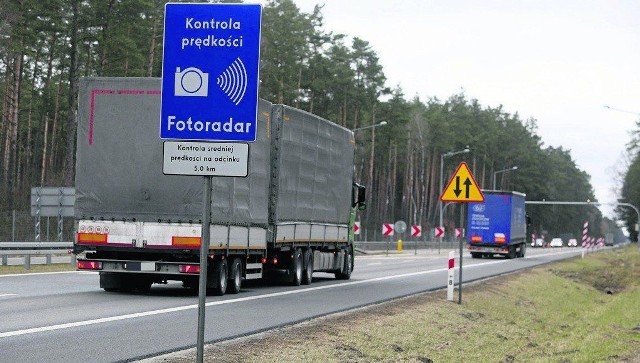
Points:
x=497 y=226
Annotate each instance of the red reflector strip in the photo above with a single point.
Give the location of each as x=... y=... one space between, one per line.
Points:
x=189 y=269
x=94 y=238
x=89 y=265
x=476 y=239
x=452 y=263
x=185 y=241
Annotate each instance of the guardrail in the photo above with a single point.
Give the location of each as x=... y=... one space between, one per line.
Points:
x=29 y=249
x=405 y=246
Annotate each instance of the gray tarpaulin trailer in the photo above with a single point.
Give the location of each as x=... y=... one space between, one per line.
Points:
x=292 y=215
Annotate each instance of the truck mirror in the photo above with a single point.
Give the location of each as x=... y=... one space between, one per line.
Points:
x=362 y=191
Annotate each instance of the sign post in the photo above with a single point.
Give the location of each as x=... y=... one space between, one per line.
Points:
x=400 y=227
x=211 y=57
x=387 y=231
x=416 y=232
x=462 y=188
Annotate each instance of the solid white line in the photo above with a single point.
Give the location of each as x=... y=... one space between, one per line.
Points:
x=5 y=295
x=231 y=301
x=39 y=273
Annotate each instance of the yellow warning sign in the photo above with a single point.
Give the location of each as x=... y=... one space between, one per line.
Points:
x=462 y=187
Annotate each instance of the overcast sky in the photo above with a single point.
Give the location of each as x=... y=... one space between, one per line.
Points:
x=558 y=61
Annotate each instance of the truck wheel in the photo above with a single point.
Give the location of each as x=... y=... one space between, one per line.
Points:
x=296 y=268
x=475 y=255
x=307 y=276
x=220 y=277
x=235 y=276
x=512 y=252
x=347 y=267
x=523 y=249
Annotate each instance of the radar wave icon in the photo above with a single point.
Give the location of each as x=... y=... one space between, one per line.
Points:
x=233 y=81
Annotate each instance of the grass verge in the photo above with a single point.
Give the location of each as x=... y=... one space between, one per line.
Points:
x=580 y=310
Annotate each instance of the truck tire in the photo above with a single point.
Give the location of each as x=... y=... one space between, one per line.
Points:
x=235 y=276
x=475 y=255
x=523 y=249
x=347 y=267
x=512 y=252
x=296 y=268
x=220 y=277
x=307 y=275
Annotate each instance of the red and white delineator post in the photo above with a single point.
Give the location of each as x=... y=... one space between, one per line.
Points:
x=450 y=275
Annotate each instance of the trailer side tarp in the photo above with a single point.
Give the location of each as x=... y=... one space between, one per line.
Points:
x=119 y=162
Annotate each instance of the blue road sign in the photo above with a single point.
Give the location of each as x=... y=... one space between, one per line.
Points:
x=210 y=72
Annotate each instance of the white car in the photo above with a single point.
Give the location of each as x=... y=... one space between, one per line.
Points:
x=572 y=243
x=538 y=242
x=556 y=242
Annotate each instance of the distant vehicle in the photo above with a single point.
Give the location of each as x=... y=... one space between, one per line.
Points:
x=556 y=242
x=498 y=225
x=572 y=243
x=539 y=242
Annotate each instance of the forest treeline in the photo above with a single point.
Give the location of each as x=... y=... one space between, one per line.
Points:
x=46 y=46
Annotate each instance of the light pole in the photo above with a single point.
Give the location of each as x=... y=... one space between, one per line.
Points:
x=381 y=123
x=373 y=144
x=501 y=171
x=619 y=110
x=622 y=203
x=445 y=155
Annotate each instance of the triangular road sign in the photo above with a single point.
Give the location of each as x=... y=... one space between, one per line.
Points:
x=462 y=187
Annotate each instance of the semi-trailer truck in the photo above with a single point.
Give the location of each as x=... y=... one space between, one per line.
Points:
x=498 y=225
x=291 y=216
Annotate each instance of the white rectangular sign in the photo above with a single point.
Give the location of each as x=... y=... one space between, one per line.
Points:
x=205 y=158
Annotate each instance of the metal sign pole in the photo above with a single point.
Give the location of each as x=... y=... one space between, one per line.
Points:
x=204 y=252
x=462 y=205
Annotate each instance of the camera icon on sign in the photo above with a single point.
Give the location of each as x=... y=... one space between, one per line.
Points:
x=191 y=82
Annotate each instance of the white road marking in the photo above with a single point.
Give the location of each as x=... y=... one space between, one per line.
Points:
x=41 y=273
x=232 y=301
x=7 y=295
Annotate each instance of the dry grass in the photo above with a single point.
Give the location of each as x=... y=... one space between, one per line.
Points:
x=582 y=310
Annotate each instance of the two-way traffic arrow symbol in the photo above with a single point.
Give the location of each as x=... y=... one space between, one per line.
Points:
x=467 y=183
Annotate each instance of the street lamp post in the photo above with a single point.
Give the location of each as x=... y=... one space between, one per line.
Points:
x=381 y=123
x=373 y=143
x=620 y=110
x=442 y=156
x=501 y=171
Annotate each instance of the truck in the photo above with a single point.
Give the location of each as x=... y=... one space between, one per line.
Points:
x=291 y=216
x=497 y=226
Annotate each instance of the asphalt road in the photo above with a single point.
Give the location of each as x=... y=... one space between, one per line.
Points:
x=55 y=317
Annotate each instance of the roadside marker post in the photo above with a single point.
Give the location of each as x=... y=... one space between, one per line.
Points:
x=450 y=275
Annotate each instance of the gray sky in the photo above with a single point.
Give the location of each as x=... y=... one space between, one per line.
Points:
x=558 y=61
